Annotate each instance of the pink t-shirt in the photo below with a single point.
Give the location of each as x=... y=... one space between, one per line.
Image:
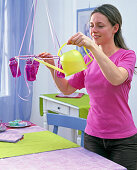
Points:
x=109 y=115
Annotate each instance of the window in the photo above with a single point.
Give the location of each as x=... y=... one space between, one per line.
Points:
x=4 y=65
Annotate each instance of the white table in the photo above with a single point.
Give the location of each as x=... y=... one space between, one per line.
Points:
x=59 y=107
x=56 y=106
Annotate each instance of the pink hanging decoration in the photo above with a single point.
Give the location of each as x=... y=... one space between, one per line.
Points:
x=36 y=64
x=59 y=74
x=15 y=70
x=30 y=70
x=31 y=77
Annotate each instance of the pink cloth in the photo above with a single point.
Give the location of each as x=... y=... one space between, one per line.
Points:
x=65 y=159
x=109 y=115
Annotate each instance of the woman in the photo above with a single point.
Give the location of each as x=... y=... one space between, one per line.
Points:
x=110 y=129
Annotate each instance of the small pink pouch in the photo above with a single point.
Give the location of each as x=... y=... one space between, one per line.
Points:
x=30 y=70
x=14 y=67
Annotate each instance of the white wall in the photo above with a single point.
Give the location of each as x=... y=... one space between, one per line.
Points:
x=63 y=13
x=63 y=26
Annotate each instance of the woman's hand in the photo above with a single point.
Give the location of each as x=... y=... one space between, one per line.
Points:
x=47 y=57
x=61 y=83
x=80 y=40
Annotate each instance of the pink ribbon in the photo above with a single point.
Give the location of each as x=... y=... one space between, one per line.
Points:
x=52 y=30
x=18 y=58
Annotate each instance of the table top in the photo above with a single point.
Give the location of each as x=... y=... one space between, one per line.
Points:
x=64 y=159
x=78 y=102
x=81 y=103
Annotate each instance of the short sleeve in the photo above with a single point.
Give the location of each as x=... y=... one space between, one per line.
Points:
x=77 y=80
x=127 y=61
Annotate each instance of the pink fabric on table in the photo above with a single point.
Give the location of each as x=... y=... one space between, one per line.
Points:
x=10 y=137
x=66 y=159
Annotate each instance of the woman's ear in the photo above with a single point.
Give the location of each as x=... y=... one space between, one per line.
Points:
x=115 y=28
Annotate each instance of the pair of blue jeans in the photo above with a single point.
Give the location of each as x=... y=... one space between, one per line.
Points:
x=122 y=151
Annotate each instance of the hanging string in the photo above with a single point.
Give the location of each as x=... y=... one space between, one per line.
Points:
x=32 y=25
x=52 y=27
x=24 y=38
x=53 y=32
x=26 y=29
x=29 y=46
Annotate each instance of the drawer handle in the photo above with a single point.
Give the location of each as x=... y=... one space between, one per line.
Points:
x=59 y=108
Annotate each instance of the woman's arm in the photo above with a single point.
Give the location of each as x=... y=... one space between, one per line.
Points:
x=62 y=84
x=115 y=75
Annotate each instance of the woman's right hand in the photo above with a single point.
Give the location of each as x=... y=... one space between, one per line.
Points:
x=47 y=57
x=80 y=40
x=61 y=83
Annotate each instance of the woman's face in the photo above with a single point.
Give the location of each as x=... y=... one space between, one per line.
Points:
x=101 y=30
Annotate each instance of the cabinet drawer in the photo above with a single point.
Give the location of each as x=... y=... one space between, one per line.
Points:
x=57 y=107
